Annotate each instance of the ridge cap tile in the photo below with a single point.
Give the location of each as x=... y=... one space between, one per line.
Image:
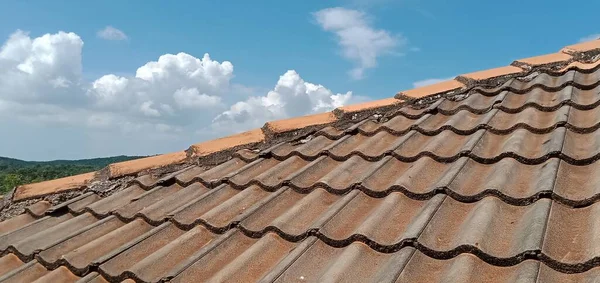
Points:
x=546 y=59
x=369 y=105
x=205 y=148
x=299 y=123
x=430 y=90
x=582 y=47
x=493 y=73
x=135 y=166
x=53 y=186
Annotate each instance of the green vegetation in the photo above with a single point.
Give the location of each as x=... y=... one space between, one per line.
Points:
x=14 y=172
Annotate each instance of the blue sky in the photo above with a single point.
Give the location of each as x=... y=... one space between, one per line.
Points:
x=262 y=40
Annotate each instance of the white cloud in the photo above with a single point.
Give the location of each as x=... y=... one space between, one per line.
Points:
x=290 y=97
x=43 y=69
x=111 y=33
x=191 y=98
x=590 y=37
x=179 y=81
x=146 y=109
x=359 y=41
x=167 y=105
x=427 y=82
x=108 y=88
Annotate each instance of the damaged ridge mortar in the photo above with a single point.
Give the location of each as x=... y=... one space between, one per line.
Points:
x=530 y=72
x=104 y=185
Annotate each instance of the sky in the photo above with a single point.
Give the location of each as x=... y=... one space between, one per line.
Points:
x=84 y=79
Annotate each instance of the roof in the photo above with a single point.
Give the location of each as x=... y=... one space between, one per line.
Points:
x=490 y=177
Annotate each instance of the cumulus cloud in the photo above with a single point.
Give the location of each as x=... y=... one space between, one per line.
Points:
x=360 y=42
x=427 y=82
x=590 y=37
x=111 y=33
x=290 y=97
x=168 y=104
x=192 y=98
x=174 y=87
x=43 y=69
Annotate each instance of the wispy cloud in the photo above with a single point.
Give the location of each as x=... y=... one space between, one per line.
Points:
x=425 y=13
x=590 y=37
x=360 y=42
x=431 y=81
x=111 y=33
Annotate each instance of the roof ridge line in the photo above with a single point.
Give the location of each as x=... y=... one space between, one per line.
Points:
x=213 y=151
x=218 y=150
x=586 y=54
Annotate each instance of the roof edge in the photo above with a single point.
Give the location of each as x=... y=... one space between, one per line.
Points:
x=581 y=56
x=575 y=56
x=210 y=152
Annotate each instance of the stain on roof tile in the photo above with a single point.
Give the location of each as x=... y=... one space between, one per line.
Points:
x=466 y=268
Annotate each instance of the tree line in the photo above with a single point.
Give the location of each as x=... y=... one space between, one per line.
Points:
x=15 y=172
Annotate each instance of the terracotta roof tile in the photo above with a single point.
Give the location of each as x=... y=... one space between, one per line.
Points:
x=61 y=274
x=547 y=59
x=53 y=186
x=246 y=138
x=431 y=90
x=39 y=208
x=494 y=73
x=295 y=124
x=465 y=268
x=137 y=165
x=582 y=47
x=8 y=263
x=581 y=66
x=28 y=272
x=371 y=105
x=496 y=185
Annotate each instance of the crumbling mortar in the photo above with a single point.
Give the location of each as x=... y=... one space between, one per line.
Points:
x=104 y=186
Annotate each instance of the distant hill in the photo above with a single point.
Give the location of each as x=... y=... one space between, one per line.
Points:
x=14 y=172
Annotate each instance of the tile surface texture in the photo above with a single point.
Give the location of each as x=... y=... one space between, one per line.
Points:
x=499 y=185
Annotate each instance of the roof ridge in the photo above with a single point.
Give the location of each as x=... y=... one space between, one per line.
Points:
x=581 y=56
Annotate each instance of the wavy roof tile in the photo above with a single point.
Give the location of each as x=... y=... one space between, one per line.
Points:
x=491 y=177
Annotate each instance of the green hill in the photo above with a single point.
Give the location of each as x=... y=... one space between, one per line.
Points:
x=14 y=172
